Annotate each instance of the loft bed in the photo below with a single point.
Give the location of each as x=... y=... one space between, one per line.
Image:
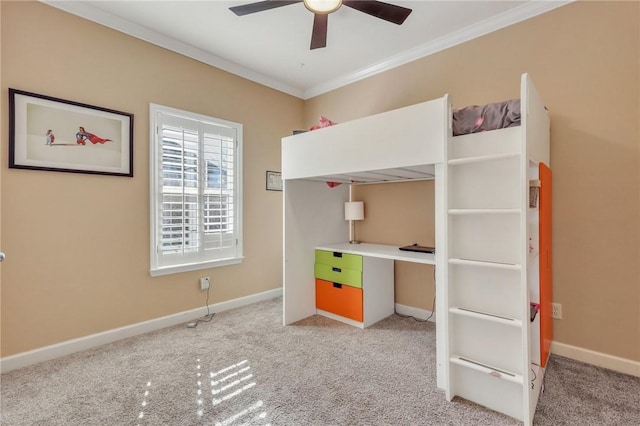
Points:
x=480 y=179
x=383 y=147
x=400 y=128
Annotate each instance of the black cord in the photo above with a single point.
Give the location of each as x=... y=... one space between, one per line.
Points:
x=209 y=316
x=206 y=302
x=534 y=378
x=433 y=306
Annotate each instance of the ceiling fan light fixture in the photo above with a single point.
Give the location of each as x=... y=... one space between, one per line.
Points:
x=322 y=7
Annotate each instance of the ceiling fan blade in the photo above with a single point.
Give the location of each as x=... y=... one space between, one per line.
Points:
x=260 y=6
x=319 y=34
x=379 y=9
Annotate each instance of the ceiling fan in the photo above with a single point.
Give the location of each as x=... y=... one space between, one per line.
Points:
x=322 y=8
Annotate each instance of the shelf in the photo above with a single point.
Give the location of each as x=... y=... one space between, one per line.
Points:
x=484 y=368
x=483 y=158
x=482 y=211
x=486 y=264
x=485 y=316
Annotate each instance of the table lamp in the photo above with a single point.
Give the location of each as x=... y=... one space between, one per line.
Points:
x=353 y=210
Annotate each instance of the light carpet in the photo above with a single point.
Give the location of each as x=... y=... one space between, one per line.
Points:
x=245 y=368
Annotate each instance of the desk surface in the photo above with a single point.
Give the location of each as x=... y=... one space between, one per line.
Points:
x=381 y=250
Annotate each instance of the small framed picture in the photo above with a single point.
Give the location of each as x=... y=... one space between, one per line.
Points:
x=54 y=134
x=274 y=181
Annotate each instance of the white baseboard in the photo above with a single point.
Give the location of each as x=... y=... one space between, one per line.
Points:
x=57 y=350
x=621 y=365
x=83 y=343
x=421 y=314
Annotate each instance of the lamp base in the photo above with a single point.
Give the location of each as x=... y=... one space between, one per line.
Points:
x=354 y=242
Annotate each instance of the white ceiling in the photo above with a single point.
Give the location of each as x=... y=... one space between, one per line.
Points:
x=272 y=47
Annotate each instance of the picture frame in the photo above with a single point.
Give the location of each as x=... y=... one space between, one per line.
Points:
x=274 y=181
x=47 y=133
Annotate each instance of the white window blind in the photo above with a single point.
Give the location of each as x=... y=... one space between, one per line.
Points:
x=196 y=188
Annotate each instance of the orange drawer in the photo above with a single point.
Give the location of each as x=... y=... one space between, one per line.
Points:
x=339 y=299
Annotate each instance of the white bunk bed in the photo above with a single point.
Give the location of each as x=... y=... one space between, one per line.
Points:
x=484 y=231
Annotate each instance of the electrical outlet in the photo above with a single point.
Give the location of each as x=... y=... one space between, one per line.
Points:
x=205 y=282
x=556 y=310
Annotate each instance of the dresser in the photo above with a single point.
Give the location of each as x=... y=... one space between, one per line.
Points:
x=355 y=283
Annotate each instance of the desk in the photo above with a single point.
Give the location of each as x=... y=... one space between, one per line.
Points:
x=381 y=251
x=378 y=299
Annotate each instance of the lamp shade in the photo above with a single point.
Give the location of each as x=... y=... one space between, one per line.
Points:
x=354 y=210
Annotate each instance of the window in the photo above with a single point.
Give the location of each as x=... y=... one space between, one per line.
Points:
x=196 y=210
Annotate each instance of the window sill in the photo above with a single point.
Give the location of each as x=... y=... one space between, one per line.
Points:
x=176 y=269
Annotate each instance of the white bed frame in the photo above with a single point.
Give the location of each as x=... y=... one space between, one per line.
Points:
x=415 y=142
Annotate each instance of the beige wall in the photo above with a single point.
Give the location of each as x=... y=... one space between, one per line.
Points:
x=584 y=59
x=402 y=214
x=77 y=244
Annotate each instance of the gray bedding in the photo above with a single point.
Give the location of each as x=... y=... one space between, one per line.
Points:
x=480 y=118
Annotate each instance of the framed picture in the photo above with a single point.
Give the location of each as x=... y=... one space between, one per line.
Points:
x=54 y=134
x=274 y=181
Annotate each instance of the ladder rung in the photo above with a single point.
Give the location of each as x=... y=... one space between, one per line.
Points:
x=484 y=263
x=485 y=316
x=488 y=369
x=483 y=158
x=482 y=211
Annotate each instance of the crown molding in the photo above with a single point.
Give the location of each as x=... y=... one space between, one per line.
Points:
x=518 y=14
x=86 y=11
x=526 y=11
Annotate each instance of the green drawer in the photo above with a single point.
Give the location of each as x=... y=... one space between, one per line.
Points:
x=339 y=260
x=350 y=277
